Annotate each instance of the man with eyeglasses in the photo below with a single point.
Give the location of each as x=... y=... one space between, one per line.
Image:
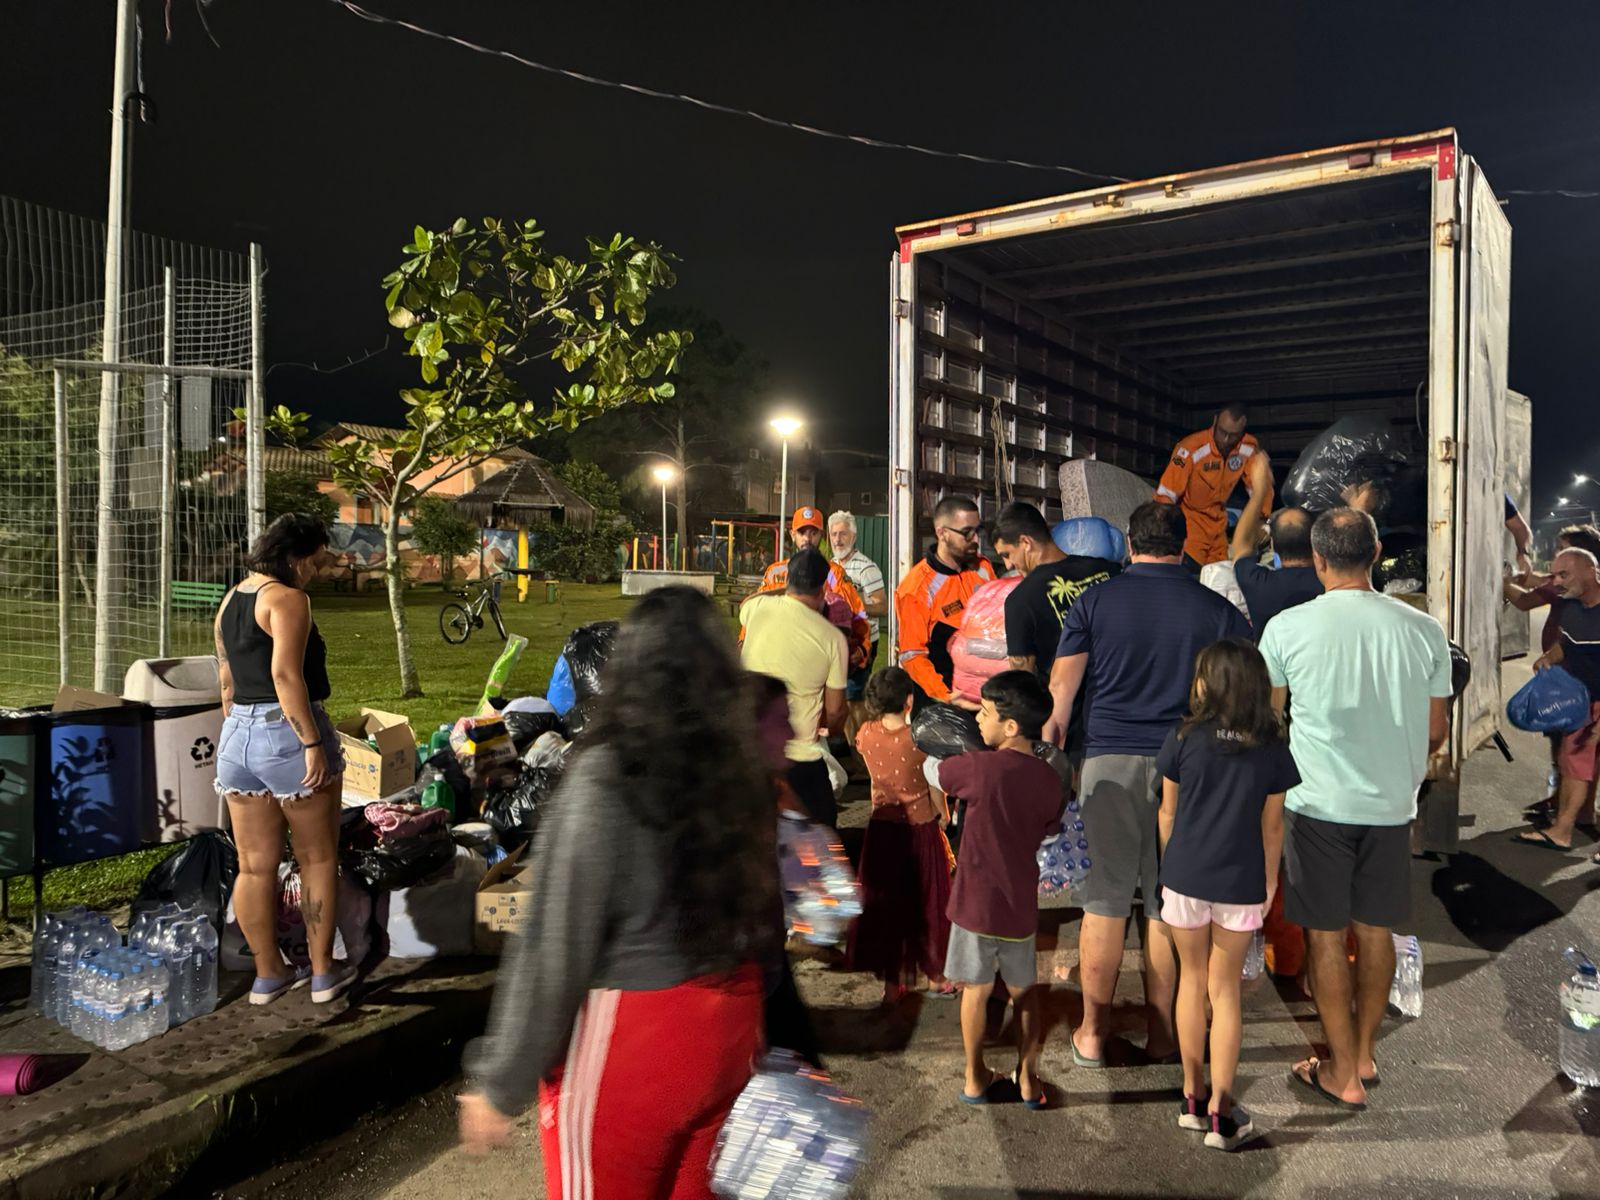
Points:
x=931 y=598
x=1205 y=469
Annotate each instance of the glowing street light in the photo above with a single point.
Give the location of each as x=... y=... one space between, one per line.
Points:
x=1580 y=479
x=786 y=427
x=664 y=474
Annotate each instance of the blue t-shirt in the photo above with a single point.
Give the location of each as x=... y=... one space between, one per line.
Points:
x=1142 y=631
x=1268 y=591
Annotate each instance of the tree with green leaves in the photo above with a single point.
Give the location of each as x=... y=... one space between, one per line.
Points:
x=482 y=307
x=292 y=492
x=593 y=483
x=438 y=528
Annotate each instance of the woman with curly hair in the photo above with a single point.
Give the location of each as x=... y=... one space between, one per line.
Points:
x=631 y=1003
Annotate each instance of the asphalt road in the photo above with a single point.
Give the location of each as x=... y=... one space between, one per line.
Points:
x=1471 y=1103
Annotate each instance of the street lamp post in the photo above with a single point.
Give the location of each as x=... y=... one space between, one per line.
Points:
x=786 y=427
x=664 y=475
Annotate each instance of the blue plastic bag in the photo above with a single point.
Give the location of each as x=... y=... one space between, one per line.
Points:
x=561 y=693
x=1553 y=701
x=1093 y=537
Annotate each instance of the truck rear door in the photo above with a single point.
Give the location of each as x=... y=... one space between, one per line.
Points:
x=1484 y=326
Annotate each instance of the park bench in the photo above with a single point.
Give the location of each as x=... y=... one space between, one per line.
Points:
x=188 y=594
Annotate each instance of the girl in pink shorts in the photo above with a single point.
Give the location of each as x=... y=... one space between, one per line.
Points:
x=1224 y=770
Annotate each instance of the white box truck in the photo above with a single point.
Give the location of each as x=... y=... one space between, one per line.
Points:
x=1369 y=280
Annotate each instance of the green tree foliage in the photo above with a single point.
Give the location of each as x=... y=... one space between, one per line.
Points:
x=593 y=483
x=438 y=528
x=292 y=492
x=481 y=307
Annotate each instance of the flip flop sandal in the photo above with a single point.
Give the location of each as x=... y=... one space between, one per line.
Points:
x=1039 y=1102
x=1542 y=841
x=983 y=1096
x=1312 y=1084
x=1079 y=1059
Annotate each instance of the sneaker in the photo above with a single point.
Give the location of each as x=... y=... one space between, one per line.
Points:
x=1228 y=1131
x=1192 y=1113
x=265 y=991
x=330 y=986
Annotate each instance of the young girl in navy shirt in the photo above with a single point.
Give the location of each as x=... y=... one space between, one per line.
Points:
x=1225 y=770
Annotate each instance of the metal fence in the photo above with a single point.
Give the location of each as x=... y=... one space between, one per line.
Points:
x=124 y=487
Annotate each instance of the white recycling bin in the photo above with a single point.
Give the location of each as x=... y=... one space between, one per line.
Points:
x=186 y=695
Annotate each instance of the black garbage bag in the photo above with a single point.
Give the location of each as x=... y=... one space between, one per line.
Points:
x=580 y=716
x=200 y=876
x=525 y=728
x=586 y=651
x=1351 y=450
x=943 y=730
x=1403 y=572
x=1460 y=670
x=401 y=862
x=513 y=812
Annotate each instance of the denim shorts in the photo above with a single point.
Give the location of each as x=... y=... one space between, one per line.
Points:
x=259 y=751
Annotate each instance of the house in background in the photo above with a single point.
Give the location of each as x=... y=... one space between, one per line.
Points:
x=360 y=509
x=757 y=476
x=853 y=480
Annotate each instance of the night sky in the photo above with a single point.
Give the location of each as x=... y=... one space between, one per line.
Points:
x=327 y=139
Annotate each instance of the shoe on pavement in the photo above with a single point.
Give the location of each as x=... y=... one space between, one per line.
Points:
x=266 y=990
x=1230 y=1129
x=1192 y=1113
x=332 y=985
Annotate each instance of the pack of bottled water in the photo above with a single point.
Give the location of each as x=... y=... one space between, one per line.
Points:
x=116 y=994
x=1578 y=1034
x=1405 y=993
x=1064 y=857
x=791 y=1134
x=820 y=893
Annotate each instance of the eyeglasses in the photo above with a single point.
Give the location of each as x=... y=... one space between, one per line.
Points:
x=968 y=533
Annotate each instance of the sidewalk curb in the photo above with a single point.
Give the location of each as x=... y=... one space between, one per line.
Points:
x=271 y=1107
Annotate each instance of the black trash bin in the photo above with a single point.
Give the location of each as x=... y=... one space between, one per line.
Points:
x=22 y=749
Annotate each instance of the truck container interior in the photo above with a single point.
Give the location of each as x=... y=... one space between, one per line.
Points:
x=1112 y=339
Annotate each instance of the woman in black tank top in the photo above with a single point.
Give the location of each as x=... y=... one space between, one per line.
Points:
x=278 y=761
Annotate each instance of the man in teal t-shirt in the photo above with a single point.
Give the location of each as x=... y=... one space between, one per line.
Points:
x=1367 y=678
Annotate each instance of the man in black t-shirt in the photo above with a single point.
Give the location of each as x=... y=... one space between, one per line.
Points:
x=1270 y=590
x=1053 y=582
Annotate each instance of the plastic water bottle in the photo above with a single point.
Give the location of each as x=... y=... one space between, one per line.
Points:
x=44 y=960
x=1578 y=1034
x=1255 y=958
x=204 y=969
x=1552 y=779
x=1405 y=993
x=116 y=1010
x=68 y=951
x=160 y=981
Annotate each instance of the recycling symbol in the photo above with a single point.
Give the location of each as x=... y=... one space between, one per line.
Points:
x=202 y=750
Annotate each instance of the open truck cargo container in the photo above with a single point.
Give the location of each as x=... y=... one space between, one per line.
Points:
x=1363 y=280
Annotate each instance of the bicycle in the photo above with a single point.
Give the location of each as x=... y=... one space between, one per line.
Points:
x=457 y=621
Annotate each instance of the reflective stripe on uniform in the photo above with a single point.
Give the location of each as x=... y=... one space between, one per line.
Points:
x=1163 y=490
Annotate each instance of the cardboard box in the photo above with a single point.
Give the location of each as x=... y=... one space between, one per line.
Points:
x=389 y=768
x=502 y=903
x=77 y=699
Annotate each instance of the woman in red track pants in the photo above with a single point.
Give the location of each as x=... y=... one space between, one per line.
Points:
x=631 y=1004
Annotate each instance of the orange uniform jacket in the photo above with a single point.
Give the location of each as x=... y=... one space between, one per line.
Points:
x=1199 y=481
x=928 y=605
x=838 y=588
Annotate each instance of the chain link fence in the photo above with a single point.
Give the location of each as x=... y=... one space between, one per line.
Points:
x=124 y=497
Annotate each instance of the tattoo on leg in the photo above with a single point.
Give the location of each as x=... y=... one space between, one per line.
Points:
x=311 y=910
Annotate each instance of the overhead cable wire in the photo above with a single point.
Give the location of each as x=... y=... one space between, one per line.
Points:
x=712 y=105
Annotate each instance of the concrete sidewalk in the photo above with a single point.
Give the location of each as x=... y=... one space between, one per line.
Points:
x=231 y=1089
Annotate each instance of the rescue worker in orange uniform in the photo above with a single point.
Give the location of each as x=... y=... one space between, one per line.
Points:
x=1205 y=468
x=841 y=601
x=930 y=600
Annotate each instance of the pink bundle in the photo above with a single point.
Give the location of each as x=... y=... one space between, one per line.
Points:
x=393 y=821
x=978 y=649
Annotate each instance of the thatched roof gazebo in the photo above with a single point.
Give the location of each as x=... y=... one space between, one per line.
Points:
x=527 y=493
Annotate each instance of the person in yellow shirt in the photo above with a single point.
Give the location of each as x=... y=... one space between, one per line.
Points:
x=1205 y=468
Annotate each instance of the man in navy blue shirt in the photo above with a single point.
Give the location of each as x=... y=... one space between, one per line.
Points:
x=1267 y=590
x=1129 y=646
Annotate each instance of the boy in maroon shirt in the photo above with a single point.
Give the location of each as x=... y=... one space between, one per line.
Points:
x=1013 y=803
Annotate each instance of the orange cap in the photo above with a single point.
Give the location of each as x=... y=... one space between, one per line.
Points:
x=806 y=517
